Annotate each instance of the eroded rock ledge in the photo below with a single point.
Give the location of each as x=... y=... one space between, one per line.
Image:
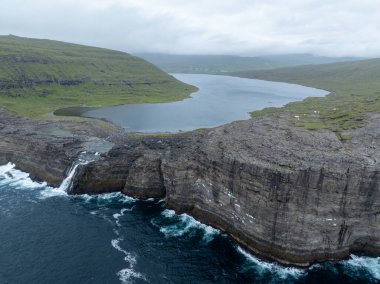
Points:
x=288 y=194
x=47 y=149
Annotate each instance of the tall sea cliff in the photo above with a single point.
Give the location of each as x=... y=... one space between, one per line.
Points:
x=285 y=193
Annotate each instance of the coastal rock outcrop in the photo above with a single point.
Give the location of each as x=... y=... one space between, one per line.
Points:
x=285 y=193
x=47 y=149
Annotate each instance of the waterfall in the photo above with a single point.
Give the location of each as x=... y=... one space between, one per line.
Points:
x=83 y=159
x=68 y=181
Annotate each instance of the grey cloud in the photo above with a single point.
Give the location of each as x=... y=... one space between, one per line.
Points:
x=246 y=27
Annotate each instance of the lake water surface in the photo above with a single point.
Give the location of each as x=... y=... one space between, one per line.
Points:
x=220 y=100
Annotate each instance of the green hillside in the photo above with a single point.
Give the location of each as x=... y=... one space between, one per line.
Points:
x=39 y=76
x=220 y=64
x=354 y=87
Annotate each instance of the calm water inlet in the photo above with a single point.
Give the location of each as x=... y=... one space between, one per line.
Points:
x=220 y=100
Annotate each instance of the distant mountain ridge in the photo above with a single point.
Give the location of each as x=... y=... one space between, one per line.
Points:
x=216 y=64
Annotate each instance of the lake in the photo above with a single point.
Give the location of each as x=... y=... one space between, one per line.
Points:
x=220 y=100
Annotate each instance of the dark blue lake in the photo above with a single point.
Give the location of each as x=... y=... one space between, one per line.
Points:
x=220 y=100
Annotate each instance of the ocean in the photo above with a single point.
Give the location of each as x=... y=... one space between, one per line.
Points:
x=47 y=236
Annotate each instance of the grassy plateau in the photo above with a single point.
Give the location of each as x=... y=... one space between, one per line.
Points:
x=354 y=94
x=40 y=76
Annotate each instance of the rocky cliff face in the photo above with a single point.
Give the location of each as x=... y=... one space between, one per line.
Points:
x=285 y=193
x=47 y=149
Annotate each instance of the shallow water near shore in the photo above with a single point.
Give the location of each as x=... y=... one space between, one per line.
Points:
x=47 y=236
x=220 y=100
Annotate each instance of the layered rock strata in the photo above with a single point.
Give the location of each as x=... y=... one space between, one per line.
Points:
x=286 y=193
x=47 y=149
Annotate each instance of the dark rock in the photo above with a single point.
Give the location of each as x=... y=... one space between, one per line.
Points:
x=46 y=149
x=285 y=193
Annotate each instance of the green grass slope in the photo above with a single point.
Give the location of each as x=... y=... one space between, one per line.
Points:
x=220 y=64
x=39 y=76
x=354 y=87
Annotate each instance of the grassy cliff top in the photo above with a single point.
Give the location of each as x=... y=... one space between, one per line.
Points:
x=38 y=76
x=354 y=87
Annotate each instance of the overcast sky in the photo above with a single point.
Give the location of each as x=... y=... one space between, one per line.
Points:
x=243 y=27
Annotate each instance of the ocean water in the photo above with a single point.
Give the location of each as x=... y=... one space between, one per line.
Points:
x=47 y=236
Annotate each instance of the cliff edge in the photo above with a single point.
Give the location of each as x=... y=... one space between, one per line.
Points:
x=283 y=192
x=286 y=193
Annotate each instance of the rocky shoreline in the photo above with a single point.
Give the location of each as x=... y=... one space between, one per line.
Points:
x=285 y=193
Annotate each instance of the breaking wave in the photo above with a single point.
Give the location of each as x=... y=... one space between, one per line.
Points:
x=127 y=274
x=106 y=198
x=9 y=175
x=270 y=270
x=357 y=265
x=173 y=225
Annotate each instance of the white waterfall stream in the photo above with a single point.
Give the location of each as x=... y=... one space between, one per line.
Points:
x=67 y=182
x=83 y=159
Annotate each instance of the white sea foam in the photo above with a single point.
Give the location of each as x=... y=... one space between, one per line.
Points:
x=161 y=201
x=21 y=180
x=263 y=267
x=6 y=168
x=209 y=233
x=51 y=192
x=116 y=216
x=168 y=213
x=127 y=274
x=186 y=225
x=10 y=175
x=357 y=263
x=106 y=198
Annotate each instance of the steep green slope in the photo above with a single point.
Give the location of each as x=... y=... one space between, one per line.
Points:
x=354 y=87
x=38 y=76
x=219 y=64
